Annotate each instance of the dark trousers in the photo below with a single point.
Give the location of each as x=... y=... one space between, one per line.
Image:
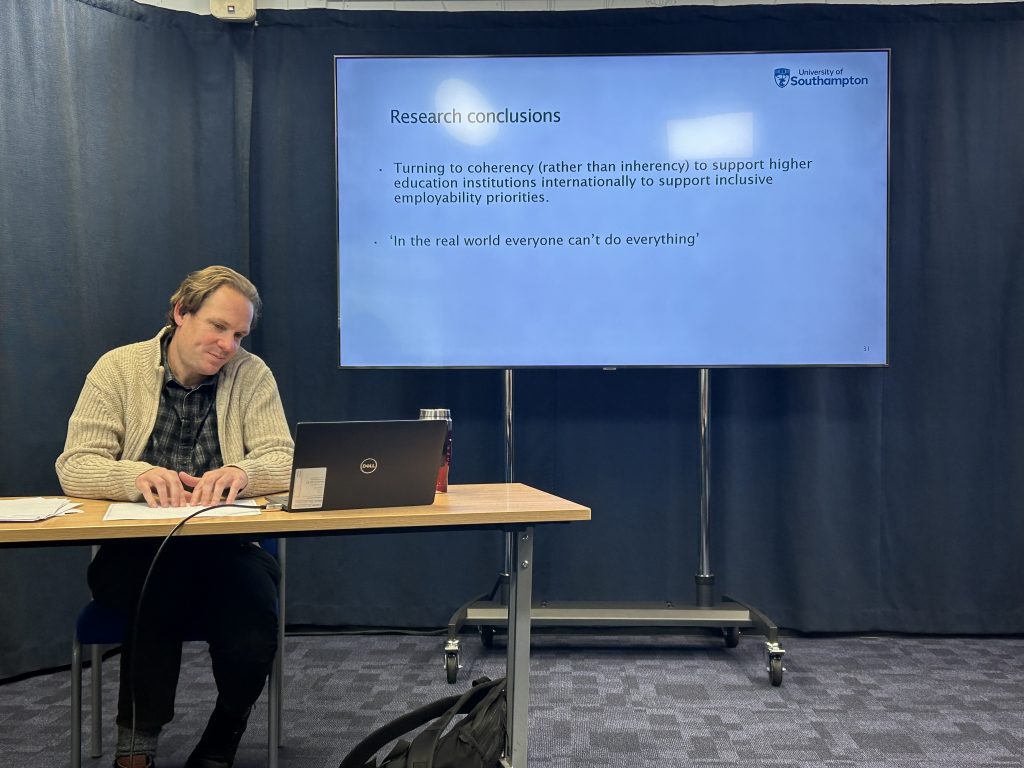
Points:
x=218 y=588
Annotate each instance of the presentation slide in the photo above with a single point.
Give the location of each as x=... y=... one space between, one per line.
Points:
x=671 y=210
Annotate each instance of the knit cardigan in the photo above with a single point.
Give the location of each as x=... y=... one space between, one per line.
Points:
x=116 y=411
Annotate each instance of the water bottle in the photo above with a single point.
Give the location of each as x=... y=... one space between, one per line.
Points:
x=446 y=448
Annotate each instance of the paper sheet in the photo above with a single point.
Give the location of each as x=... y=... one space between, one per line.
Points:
x=140 y=511
x=33 y=509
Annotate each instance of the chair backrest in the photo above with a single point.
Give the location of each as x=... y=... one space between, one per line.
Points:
x=270 y=547
x=99 y=625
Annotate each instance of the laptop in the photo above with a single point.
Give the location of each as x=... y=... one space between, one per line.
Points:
x=360 y=464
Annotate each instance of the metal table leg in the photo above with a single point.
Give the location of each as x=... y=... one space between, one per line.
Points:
x=518 y=664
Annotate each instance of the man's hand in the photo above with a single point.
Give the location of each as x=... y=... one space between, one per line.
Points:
x=211 y=487
x=162 y=488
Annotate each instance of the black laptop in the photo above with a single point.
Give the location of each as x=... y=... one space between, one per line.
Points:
x=360 y=464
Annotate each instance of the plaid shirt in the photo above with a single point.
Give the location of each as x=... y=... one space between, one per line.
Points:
x=184 y=436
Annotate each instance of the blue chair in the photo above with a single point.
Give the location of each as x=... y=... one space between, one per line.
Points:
x=98 y=626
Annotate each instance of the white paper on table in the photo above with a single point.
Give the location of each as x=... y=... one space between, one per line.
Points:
x=123 y=510
x=34 y=509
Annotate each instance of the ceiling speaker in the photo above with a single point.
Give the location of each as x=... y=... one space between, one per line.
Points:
x=233 y=10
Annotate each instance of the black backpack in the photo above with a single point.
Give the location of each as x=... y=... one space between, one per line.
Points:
x=476 y=741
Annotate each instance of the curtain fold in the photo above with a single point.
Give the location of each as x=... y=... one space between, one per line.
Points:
x=124 y=164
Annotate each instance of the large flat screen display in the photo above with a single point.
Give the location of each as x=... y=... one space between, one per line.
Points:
x=649 y=210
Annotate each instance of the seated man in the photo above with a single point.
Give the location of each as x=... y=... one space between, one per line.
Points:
x=188 y=417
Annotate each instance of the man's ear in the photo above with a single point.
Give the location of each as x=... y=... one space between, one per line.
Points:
x=179 y=316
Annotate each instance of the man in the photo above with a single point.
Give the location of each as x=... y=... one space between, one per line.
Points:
x=188 y=417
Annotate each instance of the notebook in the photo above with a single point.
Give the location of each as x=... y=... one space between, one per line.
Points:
x=360 y=464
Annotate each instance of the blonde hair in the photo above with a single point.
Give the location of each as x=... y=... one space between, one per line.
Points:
x=199 y=284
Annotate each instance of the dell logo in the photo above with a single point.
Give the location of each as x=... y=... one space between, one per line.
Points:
x=368 y=466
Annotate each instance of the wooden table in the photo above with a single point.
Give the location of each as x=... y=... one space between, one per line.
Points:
x=513 y=507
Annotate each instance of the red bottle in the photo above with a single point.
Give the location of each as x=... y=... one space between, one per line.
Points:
x=446 y=448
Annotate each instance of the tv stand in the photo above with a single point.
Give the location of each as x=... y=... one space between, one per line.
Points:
x=489 y=610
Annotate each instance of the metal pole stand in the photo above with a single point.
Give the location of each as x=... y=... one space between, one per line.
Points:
x=729 y=615
x=466 y=613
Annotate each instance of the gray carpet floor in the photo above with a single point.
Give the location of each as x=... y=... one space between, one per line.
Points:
x=622 y=701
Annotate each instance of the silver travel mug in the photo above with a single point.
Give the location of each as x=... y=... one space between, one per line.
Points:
x=446 y=449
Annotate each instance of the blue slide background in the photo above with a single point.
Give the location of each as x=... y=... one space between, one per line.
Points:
x=791 y=273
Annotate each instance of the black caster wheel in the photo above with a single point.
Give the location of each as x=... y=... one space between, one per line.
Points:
x=487 y=635
x=775 y=670
x=732 y=636
x=451 y=667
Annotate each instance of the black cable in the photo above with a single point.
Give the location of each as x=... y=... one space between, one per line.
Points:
x=138 y=608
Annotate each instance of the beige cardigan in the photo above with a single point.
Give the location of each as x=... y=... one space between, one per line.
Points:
x=111 y=424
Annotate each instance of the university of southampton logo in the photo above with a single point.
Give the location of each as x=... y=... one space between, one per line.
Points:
x=782 y=77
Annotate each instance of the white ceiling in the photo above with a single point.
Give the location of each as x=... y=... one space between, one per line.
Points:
x=203 y=6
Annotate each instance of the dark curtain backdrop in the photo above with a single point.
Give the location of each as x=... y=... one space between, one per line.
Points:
x=124 y=164
x=137 y=143
x=842 y=499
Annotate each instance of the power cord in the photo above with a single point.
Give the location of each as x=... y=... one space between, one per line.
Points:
x=138 y=606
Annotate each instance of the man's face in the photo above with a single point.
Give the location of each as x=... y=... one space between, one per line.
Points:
x=207 y=338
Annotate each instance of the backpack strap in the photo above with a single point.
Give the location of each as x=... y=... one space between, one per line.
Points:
x=362 y=753
x=480 y=696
